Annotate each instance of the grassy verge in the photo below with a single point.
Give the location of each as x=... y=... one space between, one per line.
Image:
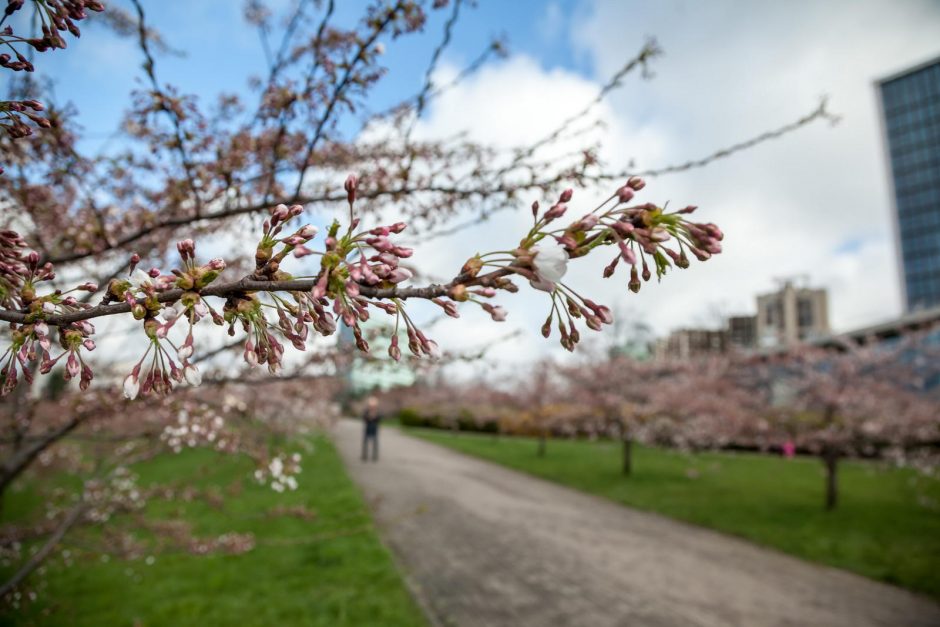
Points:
x=887 y=525
x=327 y=567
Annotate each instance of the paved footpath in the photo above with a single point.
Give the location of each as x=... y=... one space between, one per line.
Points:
x=488 y=546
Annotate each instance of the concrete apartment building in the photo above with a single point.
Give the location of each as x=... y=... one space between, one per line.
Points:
x=792 y=315
x=785 y=317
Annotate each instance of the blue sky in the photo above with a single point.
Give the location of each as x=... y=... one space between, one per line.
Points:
x=815 y=203
x=221 y=51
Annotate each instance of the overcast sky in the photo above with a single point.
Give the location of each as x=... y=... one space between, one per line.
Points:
x=813 y=204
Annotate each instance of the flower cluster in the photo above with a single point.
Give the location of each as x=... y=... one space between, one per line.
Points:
x=117 y=491
x=352 y=263
x=31 y=342
x=54 y=17
x=640 y=232
x=281 y=472
x=194 y=427
x=142 y=293
x=13 y=112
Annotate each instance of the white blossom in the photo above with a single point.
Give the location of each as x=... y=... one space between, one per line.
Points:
x=193 y=376
x=131 y=387
x=550 y=263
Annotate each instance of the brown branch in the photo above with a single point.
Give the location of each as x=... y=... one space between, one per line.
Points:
x=247 y=284
x=255 y=208
x=21 y=459
x=315 y=65
x=149 y=68
x=74 y=515
x=337 y=94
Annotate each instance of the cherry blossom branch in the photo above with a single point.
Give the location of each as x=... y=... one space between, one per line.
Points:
x=248 y=285
x=350 y=280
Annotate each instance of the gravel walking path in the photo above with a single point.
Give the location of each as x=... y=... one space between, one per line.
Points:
x=485 y=545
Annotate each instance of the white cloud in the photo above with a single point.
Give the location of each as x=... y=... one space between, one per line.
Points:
x=795 y=206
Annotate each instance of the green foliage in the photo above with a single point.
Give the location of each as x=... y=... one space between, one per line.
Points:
x=887 y=524
x=325 y=568
x=464 y=421
x=408 y=417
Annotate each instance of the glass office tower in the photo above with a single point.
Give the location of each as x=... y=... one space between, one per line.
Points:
x=910 y=107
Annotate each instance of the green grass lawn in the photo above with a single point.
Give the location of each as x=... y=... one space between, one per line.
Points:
x=329 y=569
x=887 y=525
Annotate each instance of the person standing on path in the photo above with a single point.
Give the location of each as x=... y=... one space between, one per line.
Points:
x=370 y=421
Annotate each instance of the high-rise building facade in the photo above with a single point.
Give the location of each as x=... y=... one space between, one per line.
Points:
x=910 y=106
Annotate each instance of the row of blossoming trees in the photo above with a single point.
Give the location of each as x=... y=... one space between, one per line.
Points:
x=845 y=400
x=114 y=241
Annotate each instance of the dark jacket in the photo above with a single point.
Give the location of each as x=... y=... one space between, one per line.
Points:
x=371 y=420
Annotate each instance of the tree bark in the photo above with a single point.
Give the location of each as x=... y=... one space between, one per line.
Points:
x=542 y=444
x=36 y=560
x=22 y=458
x=627 y=455
x=831 y=461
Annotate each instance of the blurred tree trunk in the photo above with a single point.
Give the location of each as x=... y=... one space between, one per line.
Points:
x=543 y=439
x=627 y=455
x=831 y=462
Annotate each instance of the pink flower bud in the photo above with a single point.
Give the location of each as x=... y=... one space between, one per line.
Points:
x=624 y=194
x=497 y=313
x=634 y=283
x=588 y=222
x=566 y=195
x=72 y=366
x=636 y=183
x=556 y=211
x=626 y=252
x=352 y=183
x=610 y=268
x=186 y=248
x=279 y=213
x=399 y=274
